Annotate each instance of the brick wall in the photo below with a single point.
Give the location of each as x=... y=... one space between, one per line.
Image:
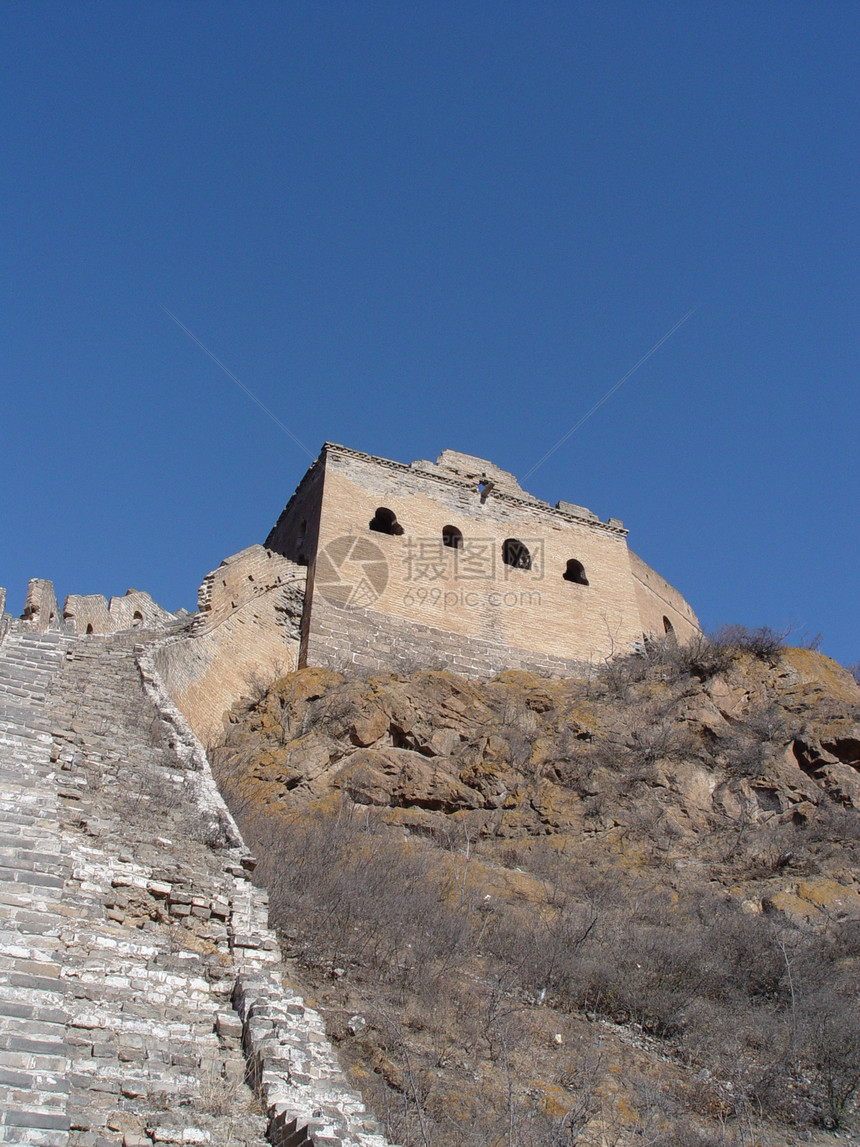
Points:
x=364 y=639
x=41 y=610
x=658 y=600
x=91 y=613
x=247 y=635
x=470 y=592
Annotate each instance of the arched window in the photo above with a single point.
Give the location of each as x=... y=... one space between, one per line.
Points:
x=89 y=627
x=516 y=554
x=137 y=618
x=668 y=627
x=575 y=572
x=452 y=537
x=384 y=521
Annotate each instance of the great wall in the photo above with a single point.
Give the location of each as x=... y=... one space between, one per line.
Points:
x=140 y=985
x=143 y=998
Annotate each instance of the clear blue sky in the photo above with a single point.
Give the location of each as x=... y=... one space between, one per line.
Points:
x=409 y=226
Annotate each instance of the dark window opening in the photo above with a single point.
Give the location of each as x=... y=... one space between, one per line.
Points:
x=137 y=618
x=301 y=556
x=668 y=627
x=90 y=627
x=385 y=521
x=515 y=554
x=452 y=537
x=575 y=572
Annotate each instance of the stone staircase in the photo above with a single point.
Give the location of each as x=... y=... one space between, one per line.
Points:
x=33 y=869
x=139 y=983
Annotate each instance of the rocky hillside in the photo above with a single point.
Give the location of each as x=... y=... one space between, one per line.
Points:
x=616 y=910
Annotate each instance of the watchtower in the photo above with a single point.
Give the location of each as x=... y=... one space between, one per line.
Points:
x=452 y=563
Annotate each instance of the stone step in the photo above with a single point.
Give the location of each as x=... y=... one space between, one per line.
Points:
x=126 y=925
x=33 y=1059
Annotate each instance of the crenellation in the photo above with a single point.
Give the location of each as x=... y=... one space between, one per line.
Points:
x=41 y=609
x=92 y=614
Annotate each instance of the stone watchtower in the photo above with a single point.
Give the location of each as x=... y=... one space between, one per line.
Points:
x=453 y=564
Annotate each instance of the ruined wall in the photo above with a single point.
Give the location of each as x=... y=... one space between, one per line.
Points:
x=659 y=601
x=91 y=614
x=246 y=635
x=468 y=592
x=41 y=609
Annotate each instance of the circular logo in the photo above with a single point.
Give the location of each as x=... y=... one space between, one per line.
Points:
x=351 y=572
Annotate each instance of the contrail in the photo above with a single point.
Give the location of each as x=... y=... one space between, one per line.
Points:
x=238 y=381
x=611 y=391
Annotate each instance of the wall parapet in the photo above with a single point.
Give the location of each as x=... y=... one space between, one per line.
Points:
x=448 y=478
x=247 y=634
x=5 y=619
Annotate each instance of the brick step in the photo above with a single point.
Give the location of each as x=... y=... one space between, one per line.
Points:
x=153 y=926
x=33 y=1058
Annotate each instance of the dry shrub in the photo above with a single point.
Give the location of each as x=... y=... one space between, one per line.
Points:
x=753 y=741
x=363 y=896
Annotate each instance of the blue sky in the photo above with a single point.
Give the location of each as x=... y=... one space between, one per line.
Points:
x=411 y=226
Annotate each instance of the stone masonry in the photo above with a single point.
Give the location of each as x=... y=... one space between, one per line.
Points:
x=453 y=558
x=368 y=641
x=33 y=869
x=245 y=633
x=140 y=985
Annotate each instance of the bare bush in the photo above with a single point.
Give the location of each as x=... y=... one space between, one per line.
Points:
x=753 y=740
x=666 y=660
x=763 y=643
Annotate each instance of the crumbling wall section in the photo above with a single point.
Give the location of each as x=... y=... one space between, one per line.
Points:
x=41 y=609
x=137 y=610
x=91 y=614
x=246 y=635
x=87 y=613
